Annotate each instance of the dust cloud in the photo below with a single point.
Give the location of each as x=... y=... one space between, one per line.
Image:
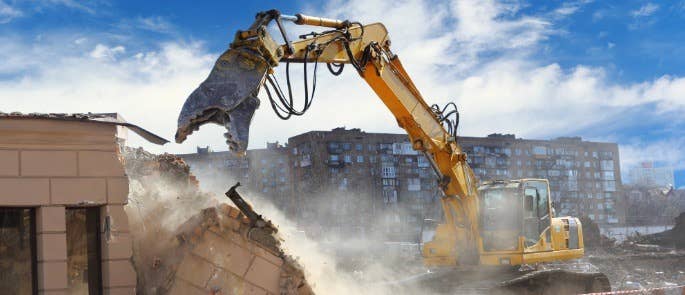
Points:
x=334 y=263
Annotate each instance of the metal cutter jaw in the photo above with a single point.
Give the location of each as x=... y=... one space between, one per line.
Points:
x=228 y=97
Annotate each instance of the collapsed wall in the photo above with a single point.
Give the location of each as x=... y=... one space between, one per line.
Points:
x=187 y=242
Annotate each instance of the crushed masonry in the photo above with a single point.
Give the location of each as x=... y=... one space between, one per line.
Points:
x=211 y=251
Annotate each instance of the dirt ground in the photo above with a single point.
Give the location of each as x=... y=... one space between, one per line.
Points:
x=637 y=269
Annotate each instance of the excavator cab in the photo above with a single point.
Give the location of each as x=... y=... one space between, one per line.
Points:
x=514 y=209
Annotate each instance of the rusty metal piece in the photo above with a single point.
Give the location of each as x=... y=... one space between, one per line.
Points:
x=261 y=230
x=228 y=97
x=243 y=205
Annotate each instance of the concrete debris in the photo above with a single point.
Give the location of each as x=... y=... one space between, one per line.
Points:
x=673 y=238
x=629 y=269
x=592 y=238
x=187 y=242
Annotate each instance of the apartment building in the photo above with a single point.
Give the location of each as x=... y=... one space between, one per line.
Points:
x=269 y=174
x=584 y=176
x=264 y=172
x=225 y=166
x=647 y=174
x=647 y=205
x=361 y=183
x=348 y=181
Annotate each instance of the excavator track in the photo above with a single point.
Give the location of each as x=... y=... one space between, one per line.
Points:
x=555 y=281
x=468 y=280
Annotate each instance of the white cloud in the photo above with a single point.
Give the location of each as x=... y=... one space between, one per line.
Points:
x=104 y=52
x=645 y=10
x=77 y=5
x=147 y=88
x=8 y=13
x=155 y=23
x=667 y=151
x=570 y=7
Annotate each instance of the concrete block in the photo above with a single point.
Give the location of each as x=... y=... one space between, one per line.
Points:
x=223 y=253
x=118 y=273
x=118 y=220
x=50 y=219
x=226 y=282
x=195 y=271
x=24 y=192
x=261 y=252
x=181 y=287
x=9 y=163
x=53 y=292
x=51 y=246
x=253 y=290
x=71 y=191
x=264 y=274
x=52 y=275
x=121 y=247
x=48 y=163
x=120 y=291
x=117 y=190
x=91 y=163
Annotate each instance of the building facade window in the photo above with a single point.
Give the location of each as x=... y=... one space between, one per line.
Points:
x=539 y=150
x=388 y=172
x=18 y=251
x=84 y=274
x=422 y=162
x=413 y=184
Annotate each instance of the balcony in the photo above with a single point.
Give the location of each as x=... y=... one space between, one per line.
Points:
x=334 y=150
x=335 y=164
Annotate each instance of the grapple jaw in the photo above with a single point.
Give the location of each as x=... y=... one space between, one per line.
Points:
x=228 y=97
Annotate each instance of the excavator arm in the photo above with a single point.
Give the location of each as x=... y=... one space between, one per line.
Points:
x=229 y=97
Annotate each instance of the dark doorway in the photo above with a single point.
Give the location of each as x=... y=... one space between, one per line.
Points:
x=83 y=251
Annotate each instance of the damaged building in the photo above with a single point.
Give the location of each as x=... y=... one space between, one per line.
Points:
x=80 y=213
x=62 y=222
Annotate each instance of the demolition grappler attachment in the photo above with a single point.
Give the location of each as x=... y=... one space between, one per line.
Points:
x=227 y=97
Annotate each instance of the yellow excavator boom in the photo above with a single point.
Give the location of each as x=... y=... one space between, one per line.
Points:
x=229 y=97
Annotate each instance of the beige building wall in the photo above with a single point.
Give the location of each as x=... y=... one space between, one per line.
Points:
x=53 y=164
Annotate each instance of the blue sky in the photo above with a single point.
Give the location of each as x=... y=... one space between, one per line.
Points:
x=603 y=70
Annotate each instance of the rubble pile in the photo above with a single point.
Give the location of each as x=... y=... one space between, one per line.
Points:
x=634 y=269
x=187 y=242
x=592 y=238
x=643 y=261
x=672 y=238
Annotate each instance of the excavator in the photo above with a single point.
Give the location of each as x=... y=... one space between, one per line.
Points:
x=507 y=227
